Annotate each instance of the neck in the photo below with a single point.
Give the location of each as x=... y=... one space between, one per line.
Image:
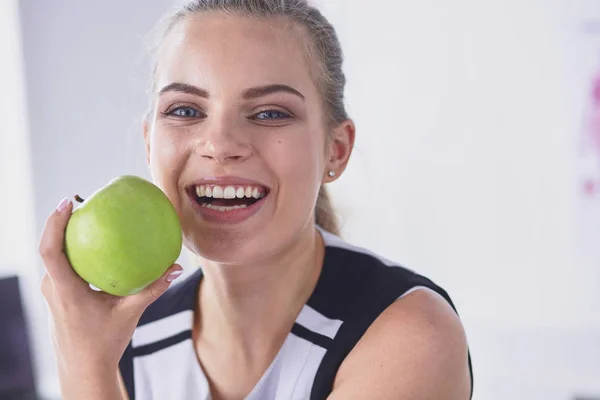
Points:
x=251 y=306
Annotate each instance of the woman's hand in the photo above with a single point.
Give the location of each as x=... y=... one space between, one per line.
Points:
x=90 y=330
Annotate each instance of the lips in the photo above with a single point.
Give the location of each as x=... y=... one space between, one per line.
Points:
x=227 y=200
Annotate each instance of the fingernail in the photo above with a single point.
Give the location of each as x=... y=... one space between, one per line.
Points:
x=63 y=204
x=174 y=275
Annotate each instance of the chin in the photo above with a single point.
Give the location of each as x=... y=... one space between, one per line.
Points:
x=237 y=247
x=234 y=248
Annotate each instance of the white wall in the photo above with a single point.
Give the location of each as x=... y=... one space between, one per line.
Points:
x=465 y=165
x=465 y=170
x=18 y=241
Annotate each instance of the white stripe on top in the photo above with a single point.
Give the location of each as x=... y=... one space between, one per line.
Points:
x=317 y=322
x=162 y=329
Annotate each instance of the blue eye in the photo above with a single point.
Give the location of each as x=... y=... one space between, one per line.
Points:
x=271 y=115
x=184 y=112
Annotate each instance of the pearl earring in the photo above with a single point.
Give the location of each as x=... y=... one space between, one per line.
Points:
x=331 y=173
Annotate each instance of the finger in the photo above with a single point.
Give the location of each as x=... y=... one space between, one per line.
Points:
x=52 y=247
x=156 y=289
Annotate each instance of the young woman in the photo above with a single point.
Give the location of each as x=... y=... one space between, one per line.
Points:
x=246 y=127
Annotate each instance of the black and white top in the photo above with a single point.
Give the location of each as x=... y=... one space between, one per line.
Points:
x=355 y=286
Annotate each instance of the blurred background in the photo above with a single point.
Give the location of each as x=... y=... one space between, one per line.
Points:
x=477 y=164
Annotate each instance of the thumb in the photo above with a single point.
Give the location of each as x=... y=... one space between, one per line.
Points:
x=156 y=289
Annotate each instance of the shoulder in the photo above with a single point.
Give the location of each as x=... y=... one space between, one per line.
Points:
x=415 y=349
x=402 y=331
x=362 y=282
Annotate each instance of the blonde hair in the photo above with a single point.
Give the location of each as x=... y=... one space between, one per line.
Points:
x=323 y=49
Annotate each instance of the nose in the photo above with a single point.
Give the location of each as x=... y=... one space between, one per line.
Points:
x=224 y=143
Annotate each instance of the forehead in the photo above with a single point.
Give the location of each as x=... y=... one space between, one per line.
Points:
x=221 y=52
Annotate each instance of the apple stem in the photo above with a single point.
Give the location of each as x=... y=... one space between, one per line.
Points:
x=79 y=199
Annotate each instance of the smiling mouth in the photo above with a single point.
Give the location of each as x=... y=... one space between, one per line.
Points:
x=228 y=198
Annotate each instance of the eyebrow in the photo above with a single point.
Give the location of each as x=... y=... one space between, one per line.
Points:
x=184 y=88
x=248 y=94
x=260 y=91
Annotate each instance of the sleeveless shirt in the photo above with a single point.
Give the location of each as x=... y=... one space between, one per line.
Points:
x=354 y=288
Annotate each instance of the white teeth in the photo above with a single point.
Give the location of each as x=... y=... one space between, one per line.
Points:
x=228 y=193
x=239 y=192
x=217 y=192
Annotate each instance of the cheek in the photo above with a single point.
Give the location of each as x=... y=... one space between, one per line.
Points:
x=167 y=157
x=298 y=161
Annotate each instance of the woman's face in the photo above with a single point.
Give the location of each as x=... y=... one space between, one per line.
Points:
x=237 y=113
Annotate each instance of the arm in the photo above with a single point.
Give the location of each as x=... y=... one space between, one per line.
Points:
x=89 y=330
x=415 y=350
x=95 y=385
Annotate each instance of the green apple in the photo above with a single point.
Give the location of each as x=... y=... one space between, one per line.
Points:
x=124 y=236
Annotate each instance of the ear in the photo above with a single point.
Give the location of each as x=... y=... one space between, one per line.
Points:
x=339 y=149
